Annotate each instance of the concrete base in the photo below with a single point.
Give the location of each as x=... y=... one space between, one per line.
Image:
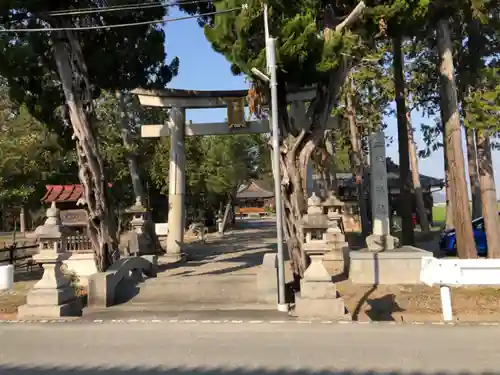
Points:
x=377 y=242
x=318 y=290
x=83 y=265
x=390 y=267
x=50 y=297
x=267 y=279
x=332 y=308
x=72 y=308
x=166 y=259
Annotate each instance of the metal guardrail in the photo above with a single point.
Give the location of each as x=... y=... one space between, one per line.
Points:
x=457 y=272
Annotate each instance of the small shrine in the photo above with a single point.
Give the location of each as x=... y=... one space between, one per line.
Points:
x=318 y=293
x=70 y=200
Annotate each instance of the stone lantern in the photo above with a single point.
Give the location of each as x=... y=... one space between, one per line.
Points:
x=137 y=242
x=318 y=294
x=52 y=296
x=335 y=234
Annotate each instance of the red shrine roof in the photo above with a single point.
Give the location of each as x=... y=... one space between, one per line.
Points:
x=63 y=193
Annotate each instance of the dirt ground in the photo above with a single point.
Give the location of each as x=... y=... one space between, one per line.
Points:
x=11 y=300
x=418 y=303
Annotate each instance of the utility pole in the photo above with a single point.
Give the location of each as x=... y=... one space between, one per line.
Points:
x=273 y=84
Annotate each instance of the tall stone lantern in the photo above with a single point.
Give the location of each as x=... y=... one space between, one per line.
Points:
x=137 y=241
x=335 y=234
x=318 y=294
x=52 y=296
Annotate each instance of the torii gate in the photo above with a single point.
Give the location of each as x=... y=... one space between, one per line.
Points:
x=177 y=128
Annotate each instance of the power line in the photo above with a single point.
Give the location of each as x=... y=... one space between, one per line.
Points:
x=118 y=8
x=121 y=25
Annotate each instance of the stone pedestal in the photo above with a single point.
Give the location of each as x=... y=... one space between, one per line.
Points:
x=52 y=296
x=379 y=242
x=83 y=265
x=318 y=296
x=389 y=267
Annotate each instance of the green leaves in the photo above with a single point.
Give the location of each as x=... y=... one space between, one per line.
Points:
x=119 y=58
x=30 y=155
x=215 y=167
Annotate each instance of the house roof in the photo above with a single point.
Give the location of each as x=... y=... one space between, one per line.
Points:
x=63 y=193
x=255 y=190
x=346 y=179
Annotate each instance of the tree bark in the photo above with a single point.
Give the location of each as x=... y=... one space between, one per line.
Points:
x=469 y=79
x=449 y=207
x=472 y=160
x=79 y=110
x=296 y=153
x=357 y=159
x=453 y=142
x=298 y=144
x=406 y=195
x=415 y=175
x=488 y=194
x=135 y=176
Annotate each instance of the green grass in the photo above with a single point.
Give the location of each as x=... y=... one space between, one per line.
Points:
x=439 y=214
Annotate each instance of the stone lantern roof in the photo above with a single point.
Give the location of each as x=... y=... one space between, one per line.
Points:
x=315 y=217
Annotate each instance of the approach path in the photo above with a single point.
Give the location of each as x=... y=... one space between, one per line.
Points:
x=219 y=276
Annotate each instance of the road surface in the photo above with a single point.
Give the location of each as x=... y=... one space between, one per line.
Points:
x=245 y=349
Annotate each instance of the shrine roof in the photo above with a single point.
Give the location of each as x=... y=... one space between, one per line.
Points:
x=255 y=189
x=63 y=193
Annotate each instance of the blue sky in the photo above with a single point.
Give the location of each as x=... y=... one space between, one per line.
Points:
x=201 y=68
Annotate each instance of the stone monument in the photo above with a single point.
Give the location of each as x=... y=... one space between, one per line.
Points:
x=381 y=238
x=383 y=261
x=318 y=294
x=53 y=296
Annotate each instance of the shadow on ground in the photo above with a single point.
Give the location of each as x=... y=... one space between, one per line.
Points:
x=203 y=371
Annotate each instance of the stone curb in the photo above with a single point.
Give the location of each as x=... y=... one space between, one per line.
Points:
x=287 y=322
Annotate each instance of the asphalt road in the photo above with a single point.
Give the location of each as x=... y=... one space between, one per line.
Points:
x=246 y=349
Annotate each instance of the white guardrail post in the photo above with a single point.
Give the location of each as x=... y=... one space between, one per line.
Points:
x=457 y=272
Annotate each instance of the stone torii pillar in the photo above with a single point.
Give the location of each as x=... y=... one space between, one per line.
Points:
x=177 y=185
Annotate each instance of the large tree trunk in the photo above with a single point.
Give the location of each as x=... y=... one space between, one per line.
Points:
x=406 y=195
x=296 y=153
x=469 y=78
x=475 y=187
x=357 y=161
x=415 y=175
x=453 y=142
x=298 y=145
x=79 y=110
x=449 y=206
x=328 y=163
x=133 y=166
x=488 y=194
